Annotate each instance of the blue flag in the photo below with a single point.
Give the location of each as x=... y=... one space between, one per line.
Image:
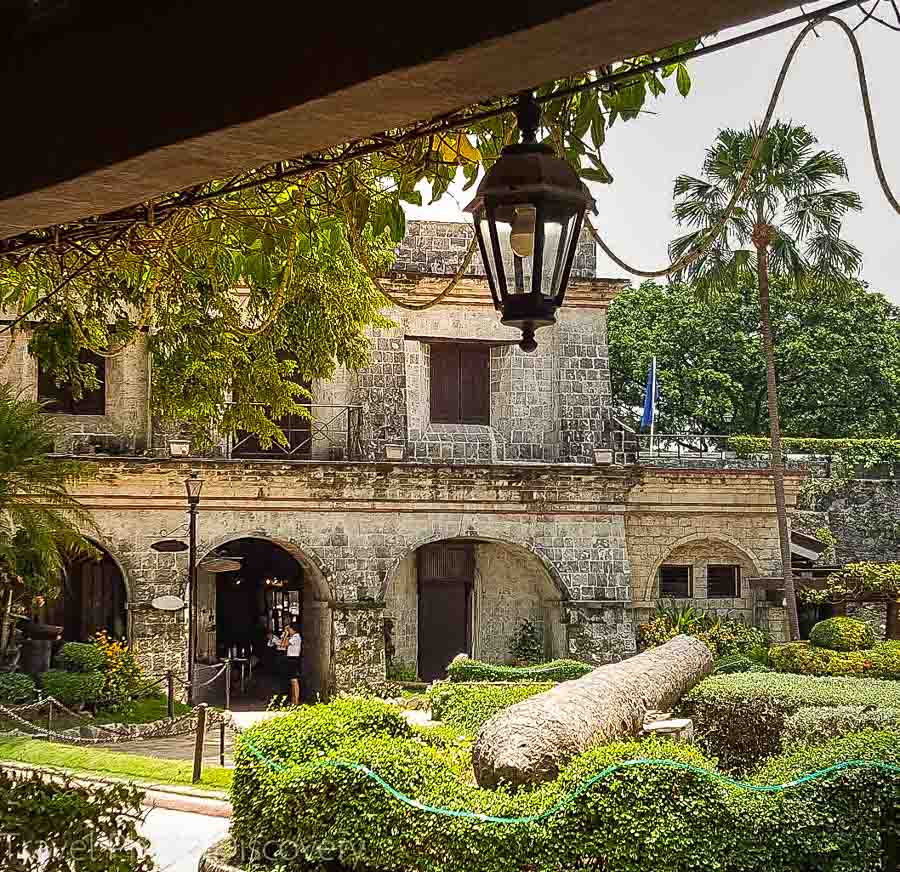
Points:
x=651 y=397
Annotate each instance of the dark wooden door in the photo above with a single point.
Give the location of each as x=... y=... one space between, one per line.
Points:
x=460 y=383
x=446 y=573
x=93 y=598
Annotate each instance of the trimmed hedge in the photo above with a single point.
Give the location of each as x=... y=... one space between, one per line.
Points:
x=732 y=663
x=802 y=658
x=467 y=706
x=73 y=688
x=811 y=726
x=858 y=450
x=465 y=670
x=16 y=688
x=740 y=718
x=81 y=657
x=649 y=819
x=842 y=634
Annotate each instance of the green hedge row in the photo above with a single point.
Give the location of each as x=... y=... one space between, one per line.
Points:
x=16 y=688
x=866 y=450
x=803 y=658
x=467 y=706
x=649 y=819
x=812 y=726
x=81 y=657
x=740 y=718
x=465 y=670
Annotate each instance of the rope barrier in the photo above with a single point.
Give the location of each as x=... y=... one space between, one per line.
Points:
x=844 y=766
x=690 y=256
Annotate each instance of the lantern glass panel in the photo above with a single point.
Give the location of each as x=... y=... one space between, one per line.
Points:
x=557 y=243
x=516 y=270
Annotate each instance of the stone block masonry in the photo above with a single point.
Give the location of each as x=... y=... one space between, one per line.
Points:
x=570 y=547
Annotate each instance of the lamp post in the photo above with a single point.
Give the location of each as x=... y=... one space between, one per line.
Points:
x=528 y=213
x=193 y=484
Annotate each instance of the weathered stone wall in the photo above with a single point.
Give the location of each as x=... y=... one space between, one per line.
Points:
x=127 y=399
x=439 y=247
x=401 y=613
x=864 y=516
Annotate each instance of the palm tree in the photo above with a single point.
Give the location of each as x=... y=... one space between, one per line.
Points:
x=40 y=522
x=790 y=212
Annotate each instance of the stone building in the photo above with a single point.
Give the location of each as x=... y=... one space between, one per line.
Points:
x=444 y=494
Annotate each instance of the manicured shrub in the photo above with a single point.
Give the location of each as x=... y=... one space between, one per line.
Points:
x=50 y=826
x=732 y=663
x=73 y=688
x=81 y=657
x=124 y=677
x=740 y=718
x=812 y=726
x=641 y=819
x=466 y=670
x=467 y=706
x=803 y=658
x=527 y=644
x=401 y=671
x=16 y=688
x=842 y=634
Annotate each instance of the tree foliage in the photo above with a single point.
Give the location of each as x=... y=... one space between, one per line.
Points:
x=838 y=359
x=298 y=251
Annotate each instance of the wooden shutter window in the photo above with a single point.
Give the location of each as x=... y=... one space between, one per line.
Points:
x=460 y=383
x=723 y=581
x=59 y=398
x=675 y=581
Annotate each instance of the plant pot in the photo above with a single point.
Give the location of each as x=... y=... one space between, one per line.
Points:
x=35 y=630
x=394 y=452
x=179 y=447
x=36 y=655
x=603 y=456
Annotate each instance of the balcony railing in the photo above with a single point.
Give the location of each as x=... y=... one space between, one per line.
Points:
x=331 y=432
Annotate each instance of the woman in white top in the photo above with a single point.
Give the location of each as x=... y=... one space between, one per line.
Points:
x=293 y=645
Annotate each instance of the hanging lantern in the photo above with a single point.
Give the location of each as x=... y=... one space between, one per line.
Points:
x=528 y=214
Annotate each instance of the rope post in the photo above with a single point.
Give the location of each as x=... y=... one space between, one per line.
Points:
x=170 y=694
x=50 y=719
x=221 y=743
x=228 y=685
x=198 y=745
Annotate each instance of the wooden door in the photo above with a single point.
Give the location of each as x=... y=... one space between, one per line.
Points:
x=446 y=575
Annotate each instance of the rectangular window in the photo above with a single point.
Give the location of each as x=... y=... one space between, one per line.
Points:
x=675 y=581
x=59 y=398
x=460 y=383
x=723 y=581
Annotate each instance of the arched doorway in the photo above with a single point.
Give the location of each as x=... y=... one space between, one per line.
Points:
x=468 y=596
x=239 y=609
x=93 y=597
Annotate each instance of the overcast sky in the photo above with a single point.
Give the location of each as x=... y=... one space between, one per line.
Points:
x=730 y=89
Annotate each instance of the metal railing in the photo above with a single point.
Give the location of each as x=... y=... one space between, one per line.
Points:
x=331 y=432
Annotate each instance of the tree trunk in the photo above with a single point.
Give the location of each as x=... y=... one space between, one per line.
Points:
x=529 y=742
x=892 y=624
x=762 y=237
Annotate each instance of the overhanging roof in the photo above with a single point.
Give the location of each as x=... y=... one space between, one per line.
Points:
x=107 y=104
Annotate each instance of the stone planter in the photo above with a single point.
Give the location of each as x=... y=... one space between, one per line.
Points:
x=179 y=447
x=603 y=456
x=394 y=452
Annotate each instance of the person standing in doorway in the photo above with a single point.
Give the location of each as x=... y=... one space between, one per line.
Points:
x=293 y=643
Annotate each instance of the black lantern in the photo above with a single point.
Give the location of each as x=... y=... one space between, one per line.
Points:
x=528 y=214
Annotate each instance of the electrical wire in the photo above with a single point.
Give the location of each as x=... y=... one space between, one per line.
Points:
x=690 y=256
x=583 y=787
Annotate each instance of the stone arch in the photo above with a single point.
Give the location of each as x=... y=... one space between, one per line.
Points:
x=318 y=597
x=109 y=572
x=548 y=565
x=509 y=582
x=741 y=549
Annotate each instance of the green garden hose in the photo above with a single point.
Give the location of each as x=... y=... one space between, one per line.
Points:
x=586 y=785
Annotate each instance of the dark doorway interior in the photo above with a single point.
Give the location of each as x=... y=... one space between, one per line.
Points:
x=446 y=574
x=93 y=597
x=263 y=596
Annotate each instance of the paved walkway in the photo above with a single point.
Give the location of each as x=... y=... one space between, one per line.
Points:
x=179 y=838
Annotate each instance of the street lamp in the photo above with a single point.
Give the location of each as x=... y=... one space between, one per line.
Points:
x=193 y=484
x=528 y=214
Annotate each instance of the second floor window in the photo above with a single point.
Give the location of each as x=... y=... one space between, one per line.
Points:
x=60 y=399
x=460 y=383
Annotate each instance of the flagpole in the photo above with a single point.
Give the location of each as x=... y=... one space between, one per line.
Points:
x=652 y=404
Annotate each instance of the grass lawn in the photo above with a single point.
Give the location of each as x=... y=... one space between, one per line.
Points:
x=102 y=762
x=141 y=711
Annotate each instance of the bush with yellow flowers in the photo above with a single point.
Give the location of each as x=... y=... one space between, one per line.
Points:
x=124 y=676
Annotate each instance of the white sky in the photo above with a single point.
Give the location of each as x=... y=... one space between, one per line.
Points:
x=730 y=89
